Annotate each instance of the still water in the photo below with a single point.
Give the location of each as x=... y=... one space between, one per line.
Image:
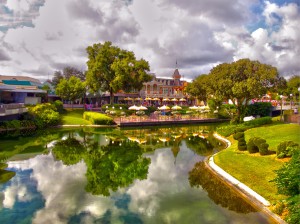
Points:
x=116 y=176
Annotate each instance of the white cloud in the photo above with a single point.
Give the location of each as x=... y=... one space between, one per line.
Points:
x=198 y=34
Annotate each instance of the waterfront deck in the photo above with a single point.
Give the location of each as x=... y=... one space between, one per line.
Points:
x=142 y=122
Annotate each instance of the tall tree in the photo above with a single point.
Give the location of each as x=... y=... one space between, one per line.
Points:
x=241 y=81
x=198 y=87
x=112 y=69
x=66 y=73
x=70 y=89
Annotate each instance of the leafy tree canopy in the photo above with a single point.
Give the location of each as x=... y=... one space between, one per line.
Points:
x=67 y=73
x=198 y=88
x=112 y=69
x=241 y=81
x=70 y=89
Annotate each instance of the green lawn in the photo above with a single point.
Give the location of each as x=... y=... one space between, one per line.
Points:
x=276 y=134
x=73 y=117
x=252 y=169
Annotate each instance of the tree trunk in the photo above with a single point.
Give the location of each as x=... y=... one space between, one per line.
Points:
x=111 y=96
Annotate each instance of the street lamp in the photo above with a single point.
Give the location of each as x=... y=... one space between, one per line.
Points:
x=120 y=114
x=281 y=107
x=291 y=95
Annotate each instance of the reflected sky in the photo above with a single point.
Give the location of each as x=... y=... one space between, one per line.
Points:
x=45 y=190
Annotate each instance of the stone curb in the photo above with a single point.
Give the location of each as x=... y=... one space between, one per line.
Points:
x=233 y=180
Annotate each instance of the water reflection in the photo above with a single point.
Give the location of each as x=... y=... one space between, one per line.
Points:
x=219 y=192
x=96 y=176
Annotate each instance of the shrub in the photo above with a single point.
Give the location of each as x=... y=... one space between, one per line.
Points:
x=44 y=115
x=257 y=144
x=288 y=182
x=264 y=149
x=262 y=109
x=242 y=146
x=251 y=146
x=59 y=106
x=231 y=129
x=286 y=149
x=239 y=135
x=97 y=118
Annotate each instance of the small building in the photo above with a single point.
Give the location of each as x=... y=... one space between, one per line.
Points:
x=20 y=89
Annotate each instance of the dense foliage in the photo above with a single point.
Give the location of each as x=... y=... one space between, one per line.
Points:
x=286 y=149
x=240 y=137
x=228 y=130
x=112 y=69
x=288 y=183
x=44 y=115
x=238 y=82
x=70 y=89
x=262 y=109
x=257 y=144
x=97 y=118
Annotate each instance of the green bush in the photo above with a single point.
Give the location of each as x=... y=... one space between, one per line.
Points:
x=44 y=115
x=242 y=146
x=257 y=144
x=264 y=149
x=239 y=135
x=262 y=109
x=228 y=130
x=288 y=182
x=251 y=146
x=59 y=106
x=286 y=149
x=97 y=118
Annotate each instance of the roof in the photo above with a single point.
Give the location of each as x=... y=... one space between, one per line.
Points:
x=176 y=74
x=16 y=82
x=19 y=78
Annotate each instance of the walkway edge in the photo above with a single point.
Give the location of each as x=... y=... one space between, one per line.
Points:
x=233 y=180
x=254 y=198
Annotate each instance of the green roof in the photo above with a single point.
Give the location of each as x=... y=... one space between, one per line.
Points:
x=16 y=82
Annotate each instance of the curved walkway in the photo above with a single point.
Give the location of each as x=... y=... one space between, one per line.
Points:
x=253 y=197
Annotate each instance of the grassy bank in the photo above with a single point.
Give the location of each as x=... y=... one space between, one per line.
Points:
x=254 y=170
x=74 y=117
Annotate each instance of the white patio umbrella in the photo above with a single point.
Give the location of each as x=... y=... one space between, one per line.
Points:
x=182 y=100
x=194 y=108
x=176 y=107
x=164 y=107
x=142 y=108
x=134 y=107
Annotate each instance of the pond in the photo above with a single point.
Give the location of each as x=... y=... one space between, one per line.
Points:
x=116 y=176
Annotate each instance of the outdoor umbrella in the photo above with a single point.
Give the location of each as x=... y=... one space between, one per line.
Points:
x=164 y=107
x=174 y=100
x=127 y=98
x=134 y=107
x=194 y=108
x=182 y=100
x=142 y=108
x=166 y=99
x=176 y=107
x=139 y=99
x=148 y=98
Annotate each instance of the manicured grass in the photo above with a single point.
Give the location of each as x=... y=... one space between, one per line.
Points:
x=252 y=169
x=73 y=117
x=276 y=134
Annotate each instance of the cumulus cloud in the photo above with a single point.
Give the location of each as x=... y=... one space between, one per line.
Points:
x=37 y=37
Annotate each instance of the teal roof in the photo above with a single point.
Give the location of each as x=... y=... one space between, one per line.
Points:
x=16 y=82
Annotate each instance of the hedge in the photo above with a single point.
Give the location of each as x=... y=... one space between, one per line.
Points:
x=98 y=118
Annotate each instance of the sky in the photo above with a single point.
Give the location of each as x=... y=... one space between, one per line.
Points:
x=39 y=37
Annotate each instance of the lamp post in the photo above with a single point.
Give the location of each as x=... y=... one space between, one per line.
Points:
x=291 y=95
x=120 y=114
x=281 y=107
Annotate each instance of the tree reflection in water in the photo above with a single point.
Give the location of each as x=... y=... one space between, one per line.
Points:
x=219 y=192
x=114 y=166
x=108 y=167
